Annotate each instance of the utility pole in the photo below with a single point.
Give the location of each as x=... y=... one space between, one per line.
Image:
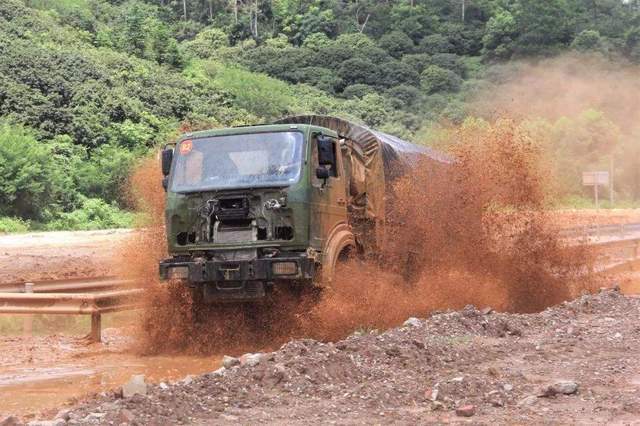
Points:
x=184 y=9
x=463 y=10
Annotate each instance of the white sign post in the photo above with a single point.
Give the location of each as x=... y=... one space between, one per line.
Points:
x=595 y=179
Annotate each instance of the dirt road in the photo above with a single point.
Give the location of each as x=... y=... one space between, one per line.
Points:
x=576 y=363
x=421 y=373
x=52 y=255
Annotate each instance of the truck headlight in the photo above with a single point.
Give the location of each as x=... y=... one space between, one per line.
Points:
x=284 y=268
x=178 y=273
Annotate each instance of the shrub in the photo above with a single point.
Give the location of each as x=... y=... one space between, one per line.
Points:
x=13 y=224
x=436 y=79
x=357 y=91
x=93 y=214
x=28 y=174
x=587 y=40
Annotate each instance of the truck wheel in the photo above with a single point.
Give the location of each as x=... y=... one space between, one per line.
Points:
x=341 y=246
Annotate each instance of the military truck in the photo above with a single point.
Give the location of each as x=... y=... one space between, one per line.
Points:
x=251 y=208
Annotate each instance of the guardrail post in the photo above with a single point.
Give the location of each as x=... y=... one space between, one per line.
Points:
x=96 y=328
x=27 y=322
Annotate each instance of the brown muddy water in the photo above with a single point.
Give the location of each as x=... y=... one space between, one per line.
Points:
x=26 y=390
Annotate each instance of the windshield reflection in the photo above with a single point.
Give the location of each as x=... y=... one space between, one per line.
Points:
x=236 y=161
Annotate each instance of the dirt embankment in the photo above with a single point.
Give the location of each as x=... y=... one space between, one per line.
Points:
x=497 y=367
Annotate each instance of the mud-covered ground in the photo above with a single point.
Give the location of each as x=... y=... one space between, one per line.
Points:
x=495 y=367
x=58 y=255
x=498 y=363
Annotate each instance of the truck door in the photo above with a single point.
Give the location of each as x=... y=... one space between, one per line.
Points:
x=328 y=197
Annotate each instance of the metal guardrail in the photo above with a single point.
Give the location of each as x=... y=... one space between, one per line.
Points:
x=84 y=296
x=71 y=285
x=594 y=230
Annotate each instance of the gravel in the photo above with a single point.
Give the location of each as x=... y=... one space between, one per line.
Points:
x=452 y=365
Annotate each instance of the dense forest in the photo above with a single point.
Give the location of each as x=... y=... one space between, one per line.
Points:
x=89 y=86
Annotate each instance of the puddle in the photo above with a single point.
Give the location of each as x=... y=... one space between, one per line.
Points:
x=25 y=391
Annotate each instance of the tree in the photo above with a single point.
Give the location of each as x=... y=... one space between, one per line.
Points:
x=435 y=43
x=355 y=70
x=435 y=79
x=542 y=24
x=396 y=43
x=501 y=30
x=28 y=175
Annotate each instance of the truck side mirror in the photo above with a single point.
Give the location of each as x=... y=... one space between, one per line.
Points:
x=322 y=173
x=167 y=158
x=326 y=152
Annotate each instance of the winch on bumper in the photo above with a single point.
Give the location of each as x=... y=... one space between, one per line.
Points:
x=223 y=280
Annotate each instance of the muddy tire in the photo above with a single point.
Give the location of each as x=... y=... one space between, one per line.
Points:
x=341 y=245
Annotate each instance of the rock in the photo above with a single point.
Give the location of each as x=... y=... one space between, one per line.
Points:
x=251 y=360
x=507 y=387
x=63 y=414
x=276 y=375
x=563 y=387
x=436 y=405
x=56 y=422
x=188 y=380
x=412 y=322
x=95 y=416
x=527 y=401
x=10 y=421
x=466 y=411
x=135 y=385
x=125 y=416
x=229 y=417
x=617 y=336
x=229 y=361
x=219 y=372
x=487 y=311
x=163 y=386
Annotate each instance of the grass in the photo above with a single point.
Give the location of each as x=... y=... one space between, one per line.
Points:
x=578 y=202
x=14 y=224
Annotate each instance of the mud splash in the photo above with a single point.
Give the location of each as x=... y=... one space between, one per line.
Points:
x=477 y=233
x=474 y=233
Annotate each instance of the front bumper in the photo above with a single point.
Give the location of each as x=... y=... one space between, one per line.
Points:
x=238 y=280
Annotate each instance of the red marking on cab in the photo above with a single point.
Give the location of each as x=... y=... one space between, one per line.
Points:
x=186 y=146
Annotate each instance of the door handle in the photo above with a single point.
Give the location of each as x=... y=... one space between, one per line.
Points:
x=341 y=201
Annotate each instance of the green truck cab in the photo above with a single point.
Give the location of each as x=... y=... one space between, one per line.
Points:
x=250 y=208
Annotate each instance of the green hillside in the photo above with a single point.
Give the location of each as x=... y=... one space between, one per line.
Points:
x=89 y=86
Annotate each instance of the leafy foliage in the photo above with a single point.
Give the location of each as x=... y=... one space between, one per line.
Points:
x=89 y=86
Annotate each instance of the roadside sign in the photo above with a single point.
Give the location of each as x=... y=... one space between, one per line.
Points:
x=595 y=178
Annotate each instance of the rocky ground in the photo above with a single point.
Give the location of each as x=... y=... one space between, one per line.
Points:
x=574 y=363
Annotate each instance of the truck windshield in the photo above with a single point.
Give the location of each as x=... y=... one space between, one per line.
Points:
x=238 y=161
